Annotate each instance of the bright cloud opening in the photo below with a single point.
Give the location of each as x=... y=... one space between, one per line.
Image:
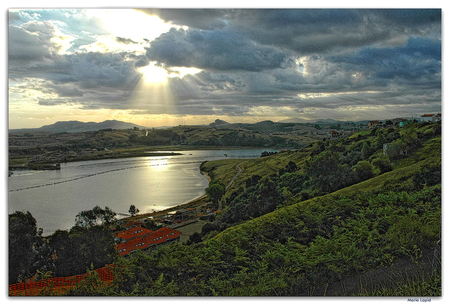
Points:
x=153 y=74
x=130 y=24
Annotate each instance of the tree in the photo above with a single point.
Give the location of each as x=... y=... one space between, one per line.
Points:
x=75 y=251
x=327 y=173
x=382 y=164
x=132 y=137
x=66 y=259
x=363 y=170
x=94 y=217
x=133 y=211
x=23 y=242
x=215 y=190
x=194 y=238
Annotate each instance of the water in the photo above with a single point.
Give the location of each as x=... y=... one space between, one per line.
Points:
x=54 y=198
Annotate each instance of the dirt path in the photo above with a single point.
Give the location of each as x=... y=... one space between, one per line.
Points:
x=239 y=168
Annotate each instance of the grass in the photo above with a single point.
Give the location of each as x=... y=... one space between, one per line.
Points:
x=407 y=285
x=222 y=170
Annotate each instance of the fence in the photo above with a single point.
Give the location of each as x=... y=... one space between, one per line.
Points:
x=57 y=285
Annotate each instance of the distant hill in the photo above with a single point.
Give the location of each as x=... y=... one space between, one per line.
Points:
x=219 y=123
x=76 y=126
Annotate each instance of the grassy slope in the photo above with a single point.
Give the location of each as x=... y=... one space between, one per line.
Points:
x=290 y=213
x=354 y=244
x=304 y=245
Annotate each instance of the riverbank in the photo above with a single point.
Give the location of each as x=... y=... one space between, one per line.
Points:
x=48 y=160
x=194 y=203
x=50 y=163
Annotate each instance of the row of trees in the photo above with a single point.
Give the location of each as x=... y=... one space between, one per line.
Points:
x=89 y=243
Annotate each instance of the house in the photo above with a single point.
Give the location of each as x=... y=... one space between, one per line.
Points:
x=182 y=214
x=148 y=240
x=132 y=233
x=373 y=124
x=394 y=149
x=430 y=117
x=333 y=134
x=426 y=118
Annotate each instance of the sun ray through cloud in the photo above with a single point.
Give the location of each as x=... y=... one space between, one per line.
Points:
x=237 y=64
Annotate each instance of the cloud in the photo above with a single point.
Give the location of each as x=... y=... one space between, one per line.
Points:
x=418 y=63
x=216 y=50
x=204 y=19
x=30 y=44
x=281 y=62
x=308 y=31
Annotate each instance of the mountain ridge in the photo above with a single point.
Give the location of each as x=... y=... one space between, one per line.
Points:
x=77 y=126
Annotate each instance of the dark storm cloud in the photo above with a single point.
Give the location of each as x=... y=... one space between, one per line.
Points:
x=106 y=70
x=417 y=62
x=320 y=31
x=30 y=44
x=214 y=50
x=412 y=17
x=308 y=31
x=204 y=19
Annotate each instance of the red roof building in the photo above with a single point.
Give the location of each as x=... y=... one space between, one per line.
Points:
x=430 y=117
x=132 y=233
x=372 y=124
x=152 y=238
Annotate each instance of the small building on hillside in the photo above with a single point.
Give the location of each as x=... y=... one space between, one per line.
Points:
x=394 y=149
x=430 y=117
x=333 y=134
x=182 y=214
x=373 y=124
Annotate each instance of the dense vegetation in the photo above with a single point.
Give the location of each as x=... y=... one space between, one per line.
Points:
x=89 y=243
x=296 y=221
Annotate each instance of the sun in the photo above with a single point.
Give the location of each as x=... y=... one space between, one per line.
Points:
x=153 y=74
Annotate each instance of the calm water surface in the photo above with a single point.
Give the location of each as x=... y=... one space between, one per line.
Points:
x=54 y=198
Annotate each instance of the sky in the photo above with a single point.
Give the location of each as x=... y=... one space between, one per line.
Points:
x=166 y=67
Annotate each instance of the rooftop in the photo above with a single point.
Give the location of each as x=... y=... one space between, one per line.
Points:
x=153 y=238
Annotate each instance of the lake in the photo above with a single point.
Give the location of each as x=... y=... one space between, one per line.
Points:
x=54 y=198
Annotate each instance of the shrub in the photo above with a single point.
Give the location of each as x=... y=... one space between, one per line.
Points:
x=382 y=164
x=429 y=175
x=363 y=170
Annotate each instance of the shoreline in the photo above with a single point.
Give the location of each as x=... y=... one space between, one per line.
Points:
x=191 y=203
x=145 y=151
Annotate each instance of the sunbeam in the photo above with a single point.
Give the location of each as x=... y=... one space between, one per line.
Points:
x=153 y=74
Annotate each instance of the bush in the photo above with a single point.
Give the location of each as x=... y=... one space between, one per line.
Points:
x=363 y=170
x=429 y=175
x=327 y=173
x=382 y=164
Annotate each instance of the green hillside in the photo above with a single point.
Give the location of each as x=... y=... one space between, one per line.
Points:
x=297 y=222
